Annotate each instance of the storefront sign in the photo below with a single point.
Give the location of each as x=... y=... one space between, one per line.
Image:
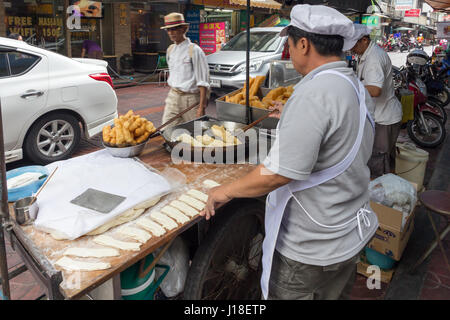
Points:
x=443 y=30
x=212 y=36
x=27 y=26
x=371 y=21
x=123 y=14
x=402 y=5
x=413 y=13
x=193 y=18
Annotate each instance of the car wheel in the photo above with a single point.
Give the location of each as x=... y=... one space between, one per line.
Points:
x=53 y=137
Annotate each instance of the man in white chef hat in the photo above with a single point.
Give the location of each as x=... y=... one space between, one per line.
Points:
x=374 y=69
x=317 y=217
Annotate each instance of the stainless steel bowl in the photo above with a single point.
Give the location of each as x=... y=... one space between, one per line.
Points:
x=24 y=213
x=126 y=152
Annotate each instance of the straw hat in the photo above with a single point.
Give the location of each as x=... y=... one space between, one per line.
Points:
x=174 y=19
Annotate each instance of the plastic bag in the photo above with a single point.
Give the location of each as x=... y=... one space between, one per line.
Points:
x=395 y=192
x=177 y=258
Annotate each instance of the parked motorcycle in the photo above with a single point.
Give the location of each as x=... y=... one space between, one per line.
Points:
x=427 y=129
x=423 y=68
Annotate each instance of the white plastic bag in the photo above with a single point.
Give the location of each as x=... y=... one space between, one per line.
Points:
x=395 y=192
x=177 y=258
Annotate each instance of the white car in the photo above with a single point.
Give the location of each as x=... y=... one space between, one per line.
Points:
x=48 y=101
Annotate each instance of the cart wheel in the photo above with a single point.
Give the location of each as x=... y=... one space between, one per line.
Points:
x=227 y=264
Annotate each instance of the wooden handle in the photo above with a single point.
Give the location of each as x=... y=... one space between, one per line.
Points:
x=177 y=116
x=258 y=121
x=40 y=189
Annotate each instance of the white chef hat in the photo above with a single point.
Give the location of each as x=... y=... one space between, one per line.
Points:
x=321 y=20
x=361 y=30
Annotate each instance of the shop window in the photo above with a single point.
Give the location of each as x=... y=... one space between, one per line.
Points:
x=4 y=70
x=20 y=62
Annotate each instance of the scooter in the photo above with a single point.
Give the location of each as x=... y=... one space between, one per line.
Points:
x=427 y=128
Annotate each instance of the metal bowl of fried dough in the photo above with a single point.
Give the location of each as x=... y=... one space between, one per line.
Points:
x=125 y=152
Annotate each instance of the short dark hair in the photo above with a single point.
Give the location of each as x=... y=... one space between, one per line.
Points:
x=326 y=45
x=14 y=36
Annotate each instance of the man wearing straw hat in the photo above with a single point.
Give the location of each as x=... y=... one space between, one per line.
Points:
x=188 y=72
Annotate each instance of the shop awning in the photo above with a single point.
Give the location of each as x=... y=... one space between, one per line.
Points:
x=268 y=4
x=439 y=5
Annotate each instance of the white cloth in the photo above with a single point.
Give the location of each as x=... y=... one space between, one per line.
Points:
x=322 y=20
x=361 y=30
x=277 y=200
x=375 y=69
x=98 y=170
x=186 y=74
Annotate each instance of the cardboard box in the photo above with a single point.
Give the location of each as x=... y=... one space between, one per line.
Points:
x=385 y=276
x=389 y=238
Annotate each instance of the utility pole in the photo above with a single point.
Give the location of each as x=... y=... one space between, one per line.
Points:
x=68 y=42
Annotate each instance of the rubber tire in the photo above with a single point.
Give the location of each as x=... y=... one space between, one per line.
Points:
x=438 y=104
x=419 y=142
x=193 y=288
x=30 y=148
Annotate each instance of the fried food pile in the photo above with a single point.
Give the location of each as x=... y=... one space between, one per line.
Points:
x=128 y=130
x=279 y=94
x=223 y=138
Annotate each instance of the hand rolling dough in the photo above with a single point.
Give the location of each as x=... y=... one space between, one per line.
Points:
x=183 y=207
x=192 y=202
x=135 y=233
x=175 y=214
x=91 y=252
x=111 y=242
x=73 y=265
x=151 y=226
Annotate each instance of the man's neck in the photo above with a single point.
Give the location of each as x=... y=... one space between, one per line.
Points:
x=320 y=61
x=180 y=41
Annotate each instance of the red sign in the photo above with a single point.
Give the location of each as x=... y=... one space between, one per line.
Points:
x=412 y=13
x=212 y=36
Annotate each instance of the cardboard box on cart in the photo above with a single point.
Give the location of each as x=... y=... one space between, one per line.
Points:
x=390 y=239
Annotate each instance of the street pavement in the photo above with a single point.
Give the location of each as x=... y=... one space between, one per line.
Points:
x=431 y=281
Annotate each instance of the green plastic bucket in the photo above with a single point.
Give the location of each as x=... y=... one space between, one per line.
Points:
x=135 y=288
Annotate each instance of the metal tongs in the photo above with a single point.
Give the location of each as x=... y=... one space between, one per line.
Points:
x=158 y=130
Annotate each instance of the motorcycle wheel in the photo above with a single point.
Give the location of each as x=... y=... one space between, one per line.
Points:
x=417 y=132
x=439 y=106
x=443 y=96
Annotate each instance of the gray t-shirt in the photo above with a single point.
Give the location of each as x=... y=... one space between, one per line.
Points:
x=375 y=69
x=317 y=129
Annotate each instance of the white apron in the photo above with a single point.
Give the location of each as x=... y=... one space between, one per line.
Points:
x=277 y=200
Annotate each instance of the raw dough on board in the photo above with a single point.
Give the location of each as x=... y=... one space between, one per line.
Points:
x=197 y=204
x=183 y=207
x=198 y=195
x=151 y=226
x=74 y=265
x=175 y=214
x=111 y=242
x=164 y=220
x=210 y=183
x=135 y=233
x=91 y=252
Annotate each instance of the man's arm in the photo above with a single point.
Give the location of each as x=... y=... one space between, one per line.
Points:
x=374 y=91
x=260 y=181
x=203 y=101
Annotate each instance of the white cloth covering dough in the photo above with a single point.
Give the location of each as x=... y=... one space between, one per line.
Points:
x=210 y=183
x=135 y=233
x=192 y=202
x=175 y=214
x=198 y=195
x=164 y=220
x=151 y=226
x=91 y=252
x=111 y=242
x=183 y=207
x=74 y=265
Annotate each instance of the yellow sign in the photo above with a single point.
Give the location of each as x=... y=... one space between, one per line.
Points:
x=123 y=14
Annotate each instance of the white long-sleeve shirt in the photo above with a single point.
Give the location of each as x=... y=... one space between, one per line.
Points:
x=186 y=74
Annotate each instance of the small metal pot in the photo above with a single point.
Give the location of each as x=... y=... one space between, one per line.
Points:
x=24 y=213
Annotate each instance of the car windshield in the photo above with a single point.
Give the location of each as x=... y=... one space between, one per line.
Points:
x=266 y=41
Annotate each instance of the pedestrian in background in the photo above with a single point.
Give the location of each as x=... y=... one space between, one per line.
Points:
x=91 y=50
x=15 y=36
x=374 y=69
x=188 y=72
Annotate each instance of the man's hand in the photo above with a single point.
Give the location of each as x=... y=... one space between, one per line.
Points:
x=217 y=197
x=200 y=111
x=277 y=106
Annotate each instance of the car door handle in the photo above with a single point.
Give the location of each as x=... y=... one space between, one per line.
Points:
x=32 y=93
